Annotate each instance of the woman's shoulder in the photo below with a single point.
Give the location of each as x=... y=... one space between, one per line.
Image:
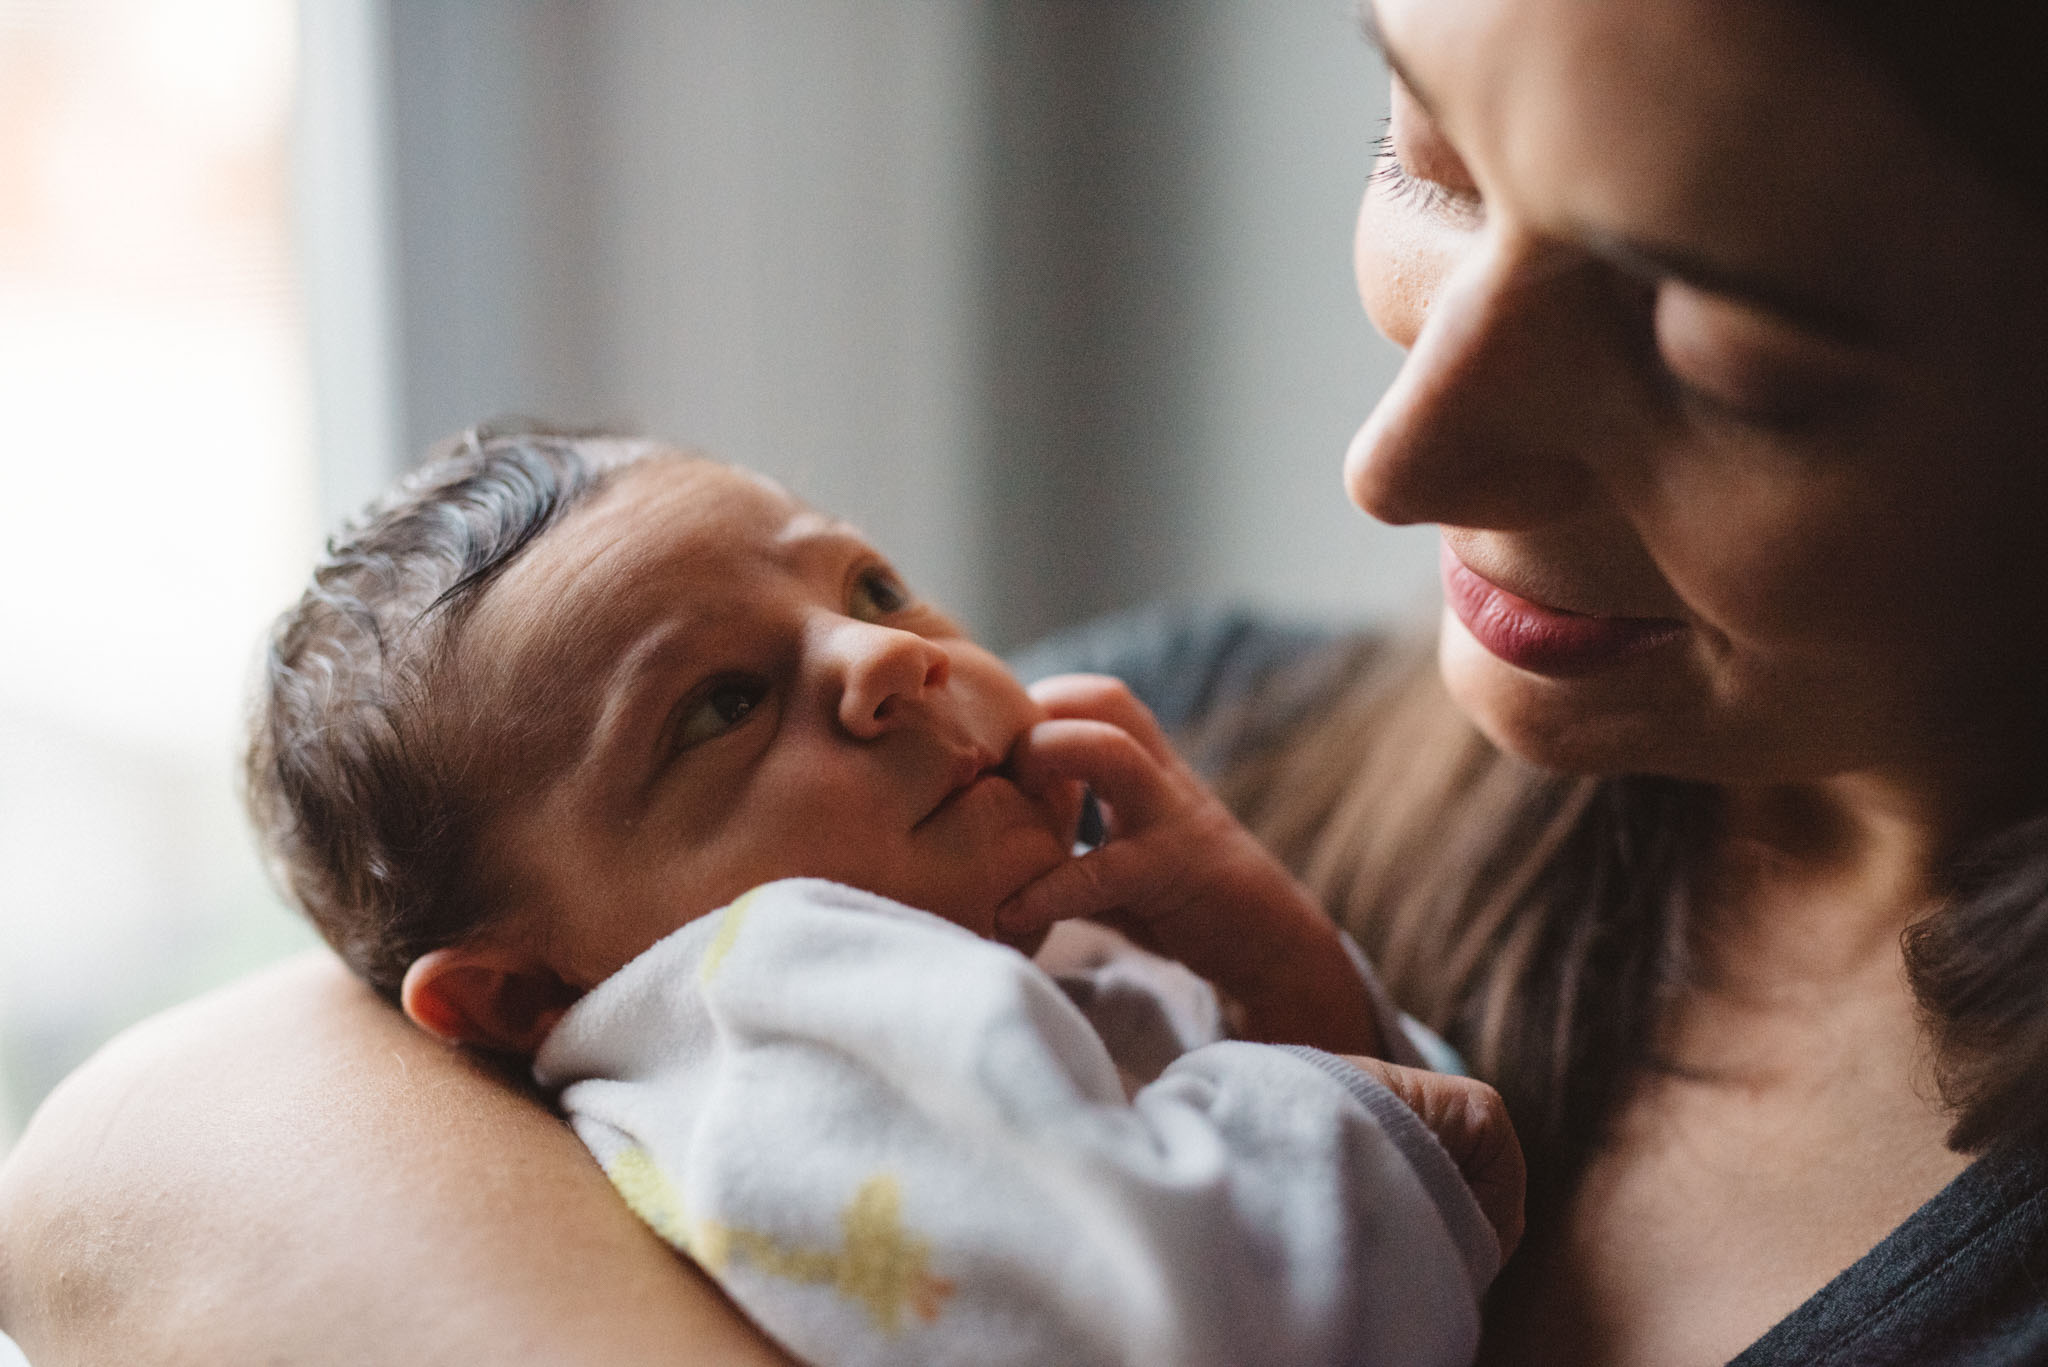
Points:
x=286 y=1170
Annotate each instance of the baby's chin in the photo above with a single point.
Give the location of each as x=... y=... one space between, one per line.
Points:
x=992 y=852
x=1006 y=872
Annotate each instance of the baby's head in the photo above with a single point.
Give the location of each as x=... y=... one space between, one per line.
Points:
x=556 y=696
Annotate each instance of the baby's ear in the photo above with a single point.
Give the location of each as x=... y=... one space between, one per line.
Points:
x=486 y=997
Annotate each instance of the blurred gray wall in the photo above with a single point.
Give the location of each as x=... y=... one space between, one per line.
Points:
x=1052 y=296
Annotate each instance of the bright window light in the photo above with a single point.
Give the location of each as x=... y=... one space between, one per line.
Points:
x=158 y=506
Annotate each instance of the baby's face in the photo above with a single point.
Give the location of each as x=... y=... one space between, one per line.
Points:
x=728 y=688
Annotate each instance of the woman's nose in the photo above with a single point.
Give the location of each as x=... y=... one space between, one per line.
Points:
x=1495 y=419
x=884 y=674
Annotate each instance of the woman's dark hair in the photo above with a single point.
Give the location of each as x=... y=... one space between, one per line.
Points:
x=1973 y=70
x=369 y=801
x=1978 y=967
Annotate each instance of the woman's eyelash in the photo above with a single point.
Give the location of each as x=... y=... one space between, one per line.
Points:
x=1393 y=179
x=1703 y=406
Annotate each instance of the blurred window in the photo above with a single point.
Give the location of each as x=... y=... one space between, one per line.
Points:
x=157 y=506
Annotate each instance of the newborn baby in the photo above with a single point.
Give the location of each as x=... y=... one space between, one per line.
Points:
x=622 y=757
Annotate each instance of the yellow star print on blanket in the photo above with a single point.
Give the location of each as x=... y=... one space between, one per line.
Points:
x=880 y=1263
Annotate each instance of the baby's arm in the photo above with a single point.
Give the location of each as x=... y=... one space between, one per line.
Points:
x=1181 y=876
x=892 y=1141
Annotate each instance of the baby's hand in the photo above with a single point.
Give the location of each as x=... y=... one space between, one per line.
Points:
x=1180 y=876
x=1470 y=1120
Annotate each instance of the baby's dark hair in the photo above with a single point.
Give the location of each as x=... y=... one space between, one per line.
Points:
x=369 y=801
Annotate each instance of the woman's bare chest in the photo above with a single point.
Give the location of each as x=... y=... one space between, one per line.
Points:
x=1714 y=1213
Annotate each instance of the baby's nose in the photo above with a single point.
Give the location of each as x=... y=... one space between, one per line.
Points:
x=886 y=672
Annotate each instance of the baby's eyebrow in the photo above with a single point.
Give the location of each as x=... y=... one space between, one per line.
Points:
x=810 y=525
x=631 y=690
x=814 y=542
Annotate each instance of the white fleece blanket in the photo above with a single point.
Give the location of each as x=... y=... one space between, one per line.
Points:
x=891 y=1141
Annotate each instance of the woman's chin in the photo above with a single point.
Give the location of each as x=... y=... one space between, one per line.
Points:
x=1591 y=724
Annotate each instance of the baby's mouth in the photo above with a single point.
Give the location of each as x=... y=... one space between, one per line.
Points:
x=969 y=771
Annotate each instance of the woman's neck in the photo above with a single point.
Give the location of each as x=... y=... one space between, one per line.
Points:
x=1795 y=974
x=1812 y=885
x=1812 y=882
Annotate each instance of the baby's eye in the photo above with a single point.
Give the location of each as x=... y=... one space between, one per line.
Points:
x=877 y=592
x=717 y=710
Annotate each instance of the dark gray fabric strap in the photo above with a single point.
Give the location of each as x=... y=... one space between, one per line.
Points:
x=1182 y=665
x=1962 y=1283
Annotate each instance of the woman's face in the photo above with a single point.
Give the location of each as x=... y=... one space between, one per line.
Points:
x=1728 y=385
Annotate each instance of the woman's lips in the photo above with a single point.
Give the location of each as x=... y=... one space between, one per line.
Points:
x=1545 y=640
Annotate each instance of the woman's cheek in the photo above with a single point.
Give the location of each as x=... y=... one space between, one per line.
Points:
x=1768 y=557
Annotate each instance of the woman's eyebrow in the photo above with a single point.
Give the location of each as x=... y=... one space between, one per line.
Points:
x=1369 y=25
x=1651 y=261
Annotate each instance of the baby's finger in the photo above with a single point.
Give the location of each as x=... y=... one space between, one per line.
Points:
x=1471 y=1121
x=1100 y=697
x=1106 y=758
x=1087 y=885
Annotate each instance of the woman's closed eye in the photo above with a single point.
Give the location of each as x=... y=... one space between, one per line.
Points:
x=1401 y=186
x=1731 y=364
x=1418 y=167
x=715 y=708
